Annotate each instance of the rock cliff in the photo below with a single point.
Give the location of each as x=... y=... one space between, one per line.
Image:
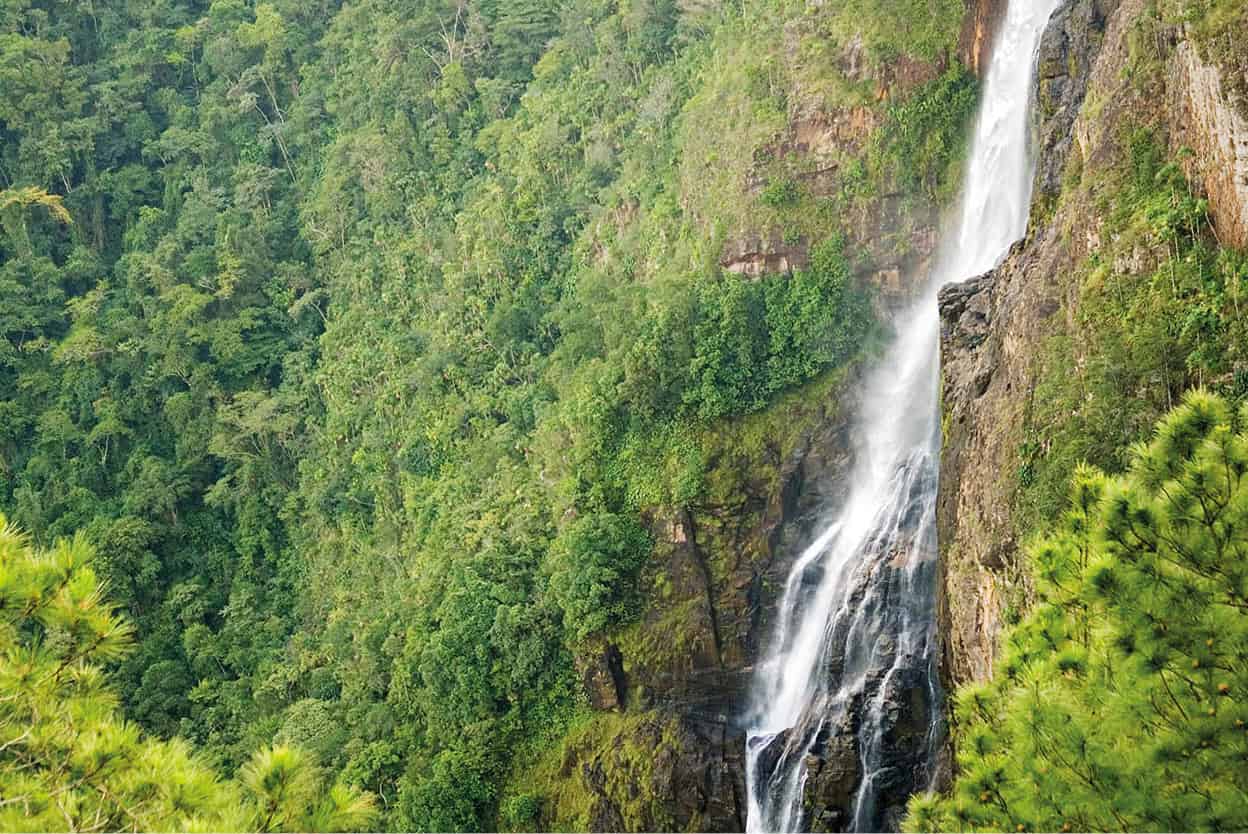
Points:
x=678 y=678
x=1107 y=68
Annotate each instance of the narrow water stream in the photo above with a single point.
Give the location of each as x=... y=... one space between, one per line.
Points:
x=854 y=646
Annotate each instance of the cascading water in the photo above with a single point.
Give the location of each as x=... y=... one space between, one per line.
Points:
x=853 y=652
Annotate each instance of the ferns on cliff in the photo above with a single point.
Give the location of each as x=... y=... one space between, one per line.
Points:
x=1121 y=701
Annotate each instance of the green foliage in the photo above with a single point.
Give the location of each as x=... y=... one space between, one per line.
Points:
x=1159 y=310
x=593 y=564
x=1119 y=702
x=456 y=793
x=891 y=28
x=921 y=146
x=780 y=193
x=753 y=340
x=378 y=328
x=68 y=761
x=1215 y=26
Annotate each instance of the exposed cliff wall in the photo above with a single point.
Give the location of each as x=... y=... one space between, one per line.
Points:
x=992 y=326
x=1018 y=342
x=1207 y=114
x=978 y=28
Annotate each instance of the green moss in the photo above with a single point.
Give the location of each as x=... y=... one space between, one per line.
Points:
x=618 y=752
x=756 y=444
x=652 y=645
x=745 y=457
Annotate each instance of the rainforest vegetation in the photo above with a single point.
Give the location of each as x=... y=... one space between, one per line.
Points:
x=354 y=340
x=348 y=348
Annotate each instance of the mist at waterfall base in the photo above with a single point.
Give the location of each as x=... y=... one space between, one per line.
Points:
x=854 y=647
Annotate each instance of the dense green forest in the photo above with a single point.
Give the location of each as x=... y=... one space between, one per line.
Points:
x=349 y=350
x=357 y=339
x=72 y=763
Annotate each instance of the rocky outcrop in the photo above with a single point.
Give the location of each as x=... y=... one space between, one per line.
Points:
x=1069 y=46
x=710 y=595
x=661 y=774
x=889 y=235
x=1207 y=119
x=755 y=255
x=993 y=328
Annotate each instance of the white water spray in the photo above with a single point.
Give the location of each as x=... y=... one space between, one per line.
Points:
x=854 y=645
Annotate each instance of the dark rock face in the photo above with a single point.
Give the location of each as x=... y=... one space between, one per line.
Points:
x=666 y=774
x=1070 y=44
x=966 y=311
x=833 y=772
x=602 y=675
x=901 y=763
x=712 y=588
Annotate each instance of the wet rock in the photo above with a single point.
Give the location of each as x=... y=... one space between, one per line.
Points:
x=982 y=20
x=966 y=311
x=833 y=773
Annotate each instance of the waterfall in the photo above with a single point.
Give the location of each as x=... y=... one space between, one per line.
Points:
x=852 y=657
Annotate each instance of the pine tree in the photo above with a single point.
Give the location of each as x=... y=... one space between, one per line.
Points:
x=70 y=761
x=1119 y=703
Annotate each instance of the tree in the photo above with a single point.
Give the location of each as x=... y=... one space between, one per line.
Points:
x=593 y=565
x=70 y=761
x=1121 y=701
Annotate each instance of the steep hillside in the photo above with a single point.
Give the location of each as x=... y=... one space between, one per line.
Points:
x=1098 y=640
x=1124 y=295
x=446 y=387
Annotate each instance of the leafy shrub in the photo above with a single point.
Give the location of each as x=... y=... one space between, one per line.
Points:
x=923 y=141
x=456 y=793
x=780 y=193
x=593 y=566
x=755 y=339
